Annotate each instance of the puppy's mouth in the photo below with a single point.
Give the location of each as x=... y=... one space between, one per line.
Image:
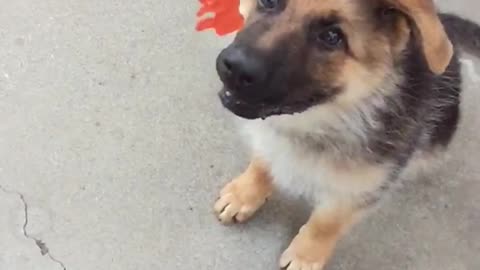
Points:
x=264 y=109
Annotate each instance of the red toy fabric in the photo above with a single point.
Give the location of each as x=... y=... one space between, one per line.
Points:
x=226 y=16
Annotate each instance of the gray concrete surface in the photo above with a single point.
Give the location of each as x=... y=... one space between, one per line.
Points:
x=113 y=147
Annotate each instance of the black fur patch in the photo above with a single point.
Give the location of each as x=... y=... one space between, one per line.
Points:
x=425 y=112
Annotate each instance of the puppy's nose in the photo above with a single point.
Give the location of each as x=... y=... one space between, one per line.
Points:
x=241 y=70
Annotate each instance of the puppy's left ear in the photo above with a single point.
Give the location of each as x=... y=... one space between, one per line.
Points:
x=437 y=48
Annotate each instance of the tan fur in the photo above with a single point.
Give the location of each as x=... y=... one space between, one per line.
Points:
x=246 y=7
x=400 y=40
x=373 y=64
x=289 y=22
x=356 y=175
x=436 y=45
x=316 y=240
x=373 y=61
x=271 y=38
x=242 y=197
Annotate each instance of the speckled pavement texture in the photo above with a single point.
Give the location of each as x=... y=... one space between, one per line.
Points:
x=113 y=147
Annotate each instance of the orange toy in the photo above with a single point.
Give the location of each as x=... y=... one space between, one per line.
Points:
x=226 y=16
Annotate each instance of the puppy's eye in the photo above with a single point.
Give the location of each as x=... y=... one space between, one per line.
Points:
x=388 y=12
x=268 y=4
x=331 y=37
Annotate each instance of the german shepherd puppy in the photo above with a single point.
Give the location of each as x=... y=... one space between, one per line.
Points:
x=340 y=99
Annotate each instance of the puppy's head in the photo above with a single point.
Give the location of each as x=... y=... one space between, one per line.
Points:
x=293 y=55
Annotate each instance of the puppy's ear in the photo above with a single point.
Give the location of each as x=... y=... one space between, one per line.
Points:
x=437 y=48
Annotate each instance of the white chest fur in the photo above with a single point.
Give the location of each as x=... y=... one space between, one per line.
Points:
x=301 y=170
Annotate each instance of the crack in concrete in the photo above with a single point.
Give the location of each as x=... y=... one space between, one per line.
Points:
x=40 y=244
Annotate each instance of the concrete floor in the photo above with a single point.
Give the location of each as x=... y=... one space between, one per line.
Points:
x=113 y=147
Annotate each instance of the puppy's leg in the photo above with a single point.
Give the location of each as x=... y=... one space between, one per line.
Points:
x=316 y=240
x=356 y=186
x=242 y=197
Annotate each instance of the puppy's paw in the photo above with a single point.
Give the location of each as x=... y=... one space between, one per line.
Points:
x=306 y=253
x=241 y=198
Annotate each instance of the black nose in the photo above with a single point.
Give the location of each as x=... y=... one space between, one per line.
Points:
x=241 y=71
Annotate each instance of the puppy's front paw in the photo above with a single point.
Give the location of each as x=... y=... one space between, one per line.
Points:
x=241 y=198
x=306 y=253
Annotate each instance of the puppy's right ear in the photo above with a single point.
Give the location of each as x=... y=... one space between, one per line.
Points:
x=437 y=48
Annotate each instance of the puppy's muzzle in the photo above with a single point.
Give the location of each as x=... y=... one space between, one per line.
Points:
x=245 y=74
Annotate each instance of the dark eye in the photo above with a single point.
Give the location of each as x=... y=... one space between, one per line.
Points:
x=331 y=37
x=268 y=4
x=388 y=12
